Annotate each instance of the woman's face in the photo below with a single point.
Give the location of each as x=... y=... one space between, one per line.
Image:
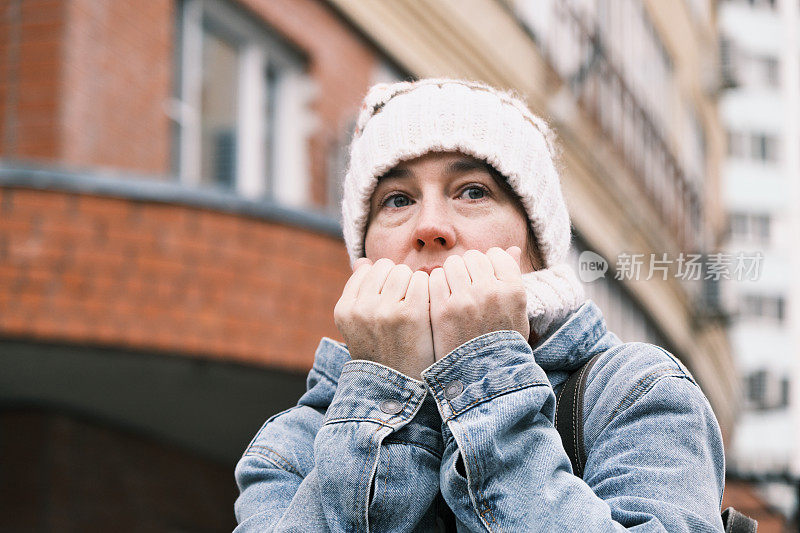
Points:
x=442 y=204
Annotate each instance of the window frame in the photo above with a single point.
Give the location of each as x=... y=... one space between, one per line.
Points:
x=261 y=154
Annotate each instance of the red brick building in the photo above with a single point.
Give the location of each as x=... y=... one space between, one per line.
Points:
x=170 y=253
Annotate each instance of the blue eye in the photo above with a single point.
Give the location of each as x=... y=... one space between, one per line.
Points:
x=474 y=192
x=392 y=200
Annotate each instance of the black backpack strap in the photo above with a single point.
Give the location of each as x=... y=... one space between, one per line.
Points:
x=736 y=522
x=569 y=415
x=569 y=424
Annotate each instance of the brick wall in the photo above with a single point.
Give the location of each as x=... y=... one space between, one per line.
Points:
x=88 y=269
x=117 y=81
x=31 y=46
x=90 y=90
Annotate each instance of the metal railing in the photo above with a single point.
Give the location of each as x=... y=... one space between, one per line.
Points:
x=576 y=50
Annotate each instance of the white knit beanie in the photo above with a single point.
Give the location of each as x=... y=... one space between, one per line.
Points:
x=405 y=120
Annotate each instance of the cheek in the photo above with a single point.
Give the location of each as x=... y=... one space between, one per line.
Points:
x=380 y=243
x=511 y=230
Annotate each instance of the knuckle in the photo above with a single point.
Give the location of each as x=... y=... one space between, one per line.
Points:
x=342 y=308
x=384 y=262
x=406 y=315
x=361 y=310
x=420 y=274
x=495 y=297
x=386 y=315
x=403 y=269
x=460 y=305
x=495 y=251
x=451 y=259
x=514 y=299
x=469 y=306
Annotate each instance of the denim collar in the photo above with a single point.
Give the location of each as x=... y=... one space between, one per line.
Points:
x=575 y=341
x=582 y=335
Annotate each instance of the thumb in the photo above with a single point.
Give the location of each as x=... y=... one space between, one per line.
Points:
x=516 y=253
x=361 y=261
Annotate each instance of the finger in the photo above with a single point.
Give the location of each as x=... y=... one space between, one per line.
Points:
x=396 y=283
x=505 y=267
x=456 y=272
x=351 y=288
x=516 y=253
x=438 y=287
x=361 y=261
x=376 y=277
x=479 y=267
x=417 y=293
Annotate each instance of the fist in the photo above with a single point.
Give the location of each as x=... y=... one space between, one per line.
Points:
x=383 y=316
x=475 y=294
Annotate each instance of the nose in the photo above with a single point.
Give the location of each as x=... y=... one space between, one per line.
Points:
x=434 y=230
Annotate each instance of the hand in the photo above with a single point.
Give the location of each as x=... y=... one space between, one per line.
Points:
x=476 y=294
x=383 y=316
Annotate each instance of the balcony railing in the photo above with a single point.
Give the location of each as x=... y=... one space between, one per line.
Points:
x=575 y=48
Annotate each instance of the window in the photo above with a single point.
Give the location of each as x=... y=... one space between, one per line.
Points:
x=241 y=109
x=785 y=394
x=338 y=151
x=760 y=228
x=764 y=147
x=737 y=225
x=770 y=70
x=750 y=228
x=218 y=108
x=337 y=167
x=756 y=386
x=736 y=144
x=766 y=390
x=755 y=306
x=758 y=146
x=762 y=3
x=728 y=55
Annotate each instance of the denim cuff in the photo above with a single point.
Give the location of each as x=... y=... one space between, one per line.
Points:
x=371 y=392
x=487 y=366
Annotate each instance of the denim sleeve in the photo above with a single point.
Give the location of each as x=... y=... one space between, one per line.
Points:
x=657 y=465
x=353 y=467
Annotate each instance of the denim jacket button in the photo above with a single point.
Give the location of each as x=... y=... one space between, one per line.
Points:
x=391 y=407
x=453 y=389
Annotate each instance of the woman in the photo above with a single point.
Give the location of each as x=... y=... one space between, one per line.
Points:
x=461 y=322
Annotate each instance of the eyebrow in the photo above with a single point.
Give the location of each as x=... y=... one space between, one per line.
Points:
x=459 y=166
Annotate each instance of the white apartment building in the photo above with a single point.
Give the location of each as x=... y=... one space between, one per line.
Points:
x=761 y=66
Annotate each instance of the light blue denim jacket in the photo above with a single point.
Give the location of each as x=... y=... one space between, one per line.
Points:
x=369 y=449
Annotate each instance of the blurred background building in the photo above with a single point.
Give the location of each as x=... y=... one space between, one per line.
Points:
x=170 y=250
x=760 y=112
